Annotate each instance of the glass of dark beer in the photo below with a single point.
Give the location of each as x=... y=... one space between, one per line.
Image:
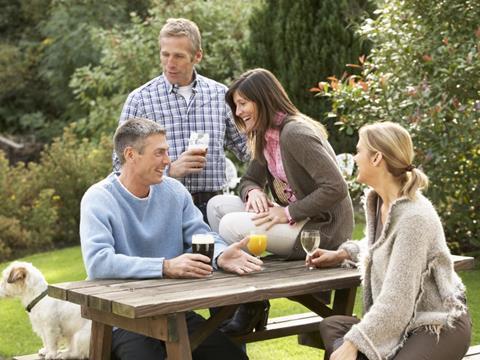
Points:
x=203 y=244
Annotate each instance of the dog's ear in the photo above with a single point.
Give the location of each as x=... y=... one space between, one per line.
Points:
x=19 y=273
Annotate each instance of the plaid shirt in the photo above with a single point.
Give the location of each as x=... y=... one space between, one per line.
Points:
x=206 y=111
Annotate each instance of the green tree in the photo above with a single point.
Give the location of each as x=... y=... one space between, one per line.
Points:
x=43 y=42
x=304 y=41
x=424 y=72
x=130 y=56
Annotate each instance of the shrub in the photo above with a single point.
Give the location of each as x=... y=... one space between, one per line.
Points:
x=424 y=72
x=41 y=201
x=304 y=41
x=28 y=214
x=130 y=56
x=70 y=166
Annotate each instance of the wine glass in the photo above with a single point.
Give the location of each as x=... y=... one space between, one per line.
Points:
x=257 y=243
x=310 y=240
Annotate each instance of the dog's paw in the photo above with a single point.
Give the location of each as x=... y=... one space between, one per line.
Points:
x=42 y=352
x=51 y=355
x=63 y=355
x=66 y=354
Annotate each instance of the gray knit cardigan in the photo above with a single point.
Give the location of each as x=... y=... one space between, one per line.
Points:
x=408 y=277
x=314 y=176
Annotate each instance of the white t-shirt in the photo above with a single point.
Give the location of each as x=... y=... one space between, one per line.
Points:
x=186 y=91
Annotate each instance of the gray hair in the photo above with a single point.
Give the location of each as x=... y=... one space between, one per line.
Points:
x=133 y=133
x=182 y=27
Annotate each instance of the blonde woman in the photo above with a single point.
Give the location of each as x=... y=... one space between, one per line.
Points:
x=414 y=302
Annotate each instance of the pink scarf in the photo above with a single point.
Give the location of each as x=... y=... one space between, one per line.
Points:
x=273 y=155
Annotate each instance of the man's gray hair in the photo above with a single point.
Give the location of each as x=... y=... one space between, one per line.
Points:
x=182 y=27
x=133 y=133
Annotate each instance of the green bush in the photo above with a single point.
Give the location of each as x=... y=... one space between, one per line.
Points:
x=69 y=166
x=28 y=214
x=424 y=72
x=304 y=41
x=41 y=201
x=130 y=56
x=42 y=43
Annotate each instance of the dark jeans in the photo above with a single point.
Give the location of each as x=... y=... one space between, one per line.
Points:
x=201 y=200
x=203 y=208
x=452 y=344
x=130 y=346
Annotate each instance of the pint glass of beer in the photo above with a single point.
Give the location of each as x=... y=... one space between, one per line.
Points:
x=203 y=244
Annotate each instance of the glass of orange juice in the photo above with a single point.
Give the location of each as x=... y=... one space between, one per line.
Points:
x=257 y=243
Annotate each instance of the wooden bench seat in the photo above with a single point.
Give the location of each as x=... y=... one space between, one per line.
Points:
x=284 y=326
x=473 y=353
x=275 y=325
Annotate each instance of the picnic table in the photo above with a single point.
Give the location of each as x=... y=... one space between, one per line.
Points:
x=156 y=307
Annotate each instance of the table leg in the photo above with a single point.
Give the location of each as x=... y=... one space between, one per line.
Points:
x=100 y=341
x=211 y=325
x=177 y=342
x=344 y=301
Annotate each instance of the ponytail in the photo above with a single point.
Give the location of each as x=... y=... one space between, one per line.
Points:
x=415 y=180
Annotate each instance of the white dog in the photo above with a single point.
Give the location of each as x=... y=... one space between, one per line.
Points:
x=55 y=321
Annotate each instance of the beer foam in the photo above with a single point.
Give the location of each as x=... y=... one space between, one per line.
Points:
x=202 y=239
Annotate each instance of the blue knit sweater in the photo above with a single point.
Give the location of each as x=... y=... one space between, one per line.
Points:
x=123 y=236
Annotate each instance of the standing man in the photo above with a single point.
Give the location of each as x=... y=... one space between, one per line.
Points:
x=140 y=225
x=183 y=102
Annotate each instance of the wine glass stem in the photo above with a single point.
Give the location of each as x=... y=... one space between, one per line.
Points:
x=310 y=267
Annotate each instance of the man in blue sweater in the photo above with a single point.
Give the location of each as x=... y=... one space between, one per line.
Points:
x=140 y=225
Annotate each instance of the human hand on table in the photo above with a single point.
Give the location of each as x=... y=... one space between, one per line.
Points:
x=257 y=201
x=274 y=215
x=322 y=258
x=347 y=351
x=235 y=260
x=187 y=266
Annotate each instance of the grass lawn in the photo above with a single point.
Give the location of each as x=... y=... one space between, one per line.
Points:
x=17 y=338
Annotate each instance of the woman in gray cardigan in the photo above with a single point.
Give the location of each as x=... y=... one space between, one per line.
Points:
x=414 y=302
x=294 y=162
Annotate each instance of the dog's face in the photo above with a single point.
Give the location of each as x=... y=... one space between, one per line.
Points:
x=15 y=279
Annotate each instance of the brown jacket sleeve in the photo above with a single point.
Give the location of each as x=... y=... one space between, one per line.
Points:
x=255 y=178
x=311 y=165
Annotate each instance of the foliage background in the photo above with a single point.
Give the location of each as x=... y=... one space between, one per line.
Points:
x=130 y=57
x=304 y=41
x=66 y=61
x=424 y=72
x=87 y=58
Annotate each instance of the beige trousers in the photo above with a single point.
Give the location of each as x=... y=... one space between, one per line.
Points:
x=227 y=216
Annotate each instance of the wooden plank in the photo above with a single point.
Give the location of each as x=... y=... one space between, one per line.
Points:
x=311 y=303
x=100 y=341
x=79 y=291
x=463 y=262
x=28 y=357
x=155 y=327
x=106 y=295
x=283 y=326
x=211 y=325
x=344 y=301
x=151 y=302
x=116 y=290
x=473 y=353
x=177 y=343
x=60 y=290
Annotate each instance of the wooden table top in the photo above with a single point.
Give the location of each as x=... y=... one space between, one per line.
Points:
x=145 y=298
